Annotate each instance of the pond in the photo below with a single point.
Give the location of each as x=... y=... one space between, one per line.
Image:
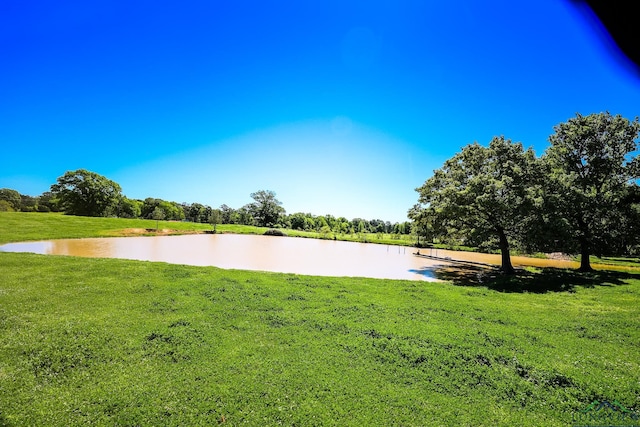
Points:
x=276 y=254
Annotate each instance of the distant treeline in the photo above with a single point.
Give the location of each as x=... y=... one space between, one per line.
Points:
x=70 y=196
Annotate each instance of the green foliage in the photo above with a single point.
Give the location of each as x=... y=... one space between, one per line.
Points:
x=129 y=208
x=299 y=221
x=215 y=217
x=158 y=214
x=591 y=168
x=227 y=214
x=6 y=206
x=481 y=192
x=172 y=210
x=341 y=225
x=244 y=216
x=12 y=199
x=28 y=203
x=86 y=193
x=581 y=196
x=197 y=212
x=266 y=210
x=425 y=225
x=47 y=202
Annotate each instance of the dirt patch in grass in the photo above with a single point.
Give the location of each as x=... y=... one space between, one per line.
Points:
x=560 y=256
x=126 y=232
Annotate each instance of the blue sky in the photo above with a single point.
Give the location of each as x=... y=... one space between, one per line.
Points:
x=340 y=107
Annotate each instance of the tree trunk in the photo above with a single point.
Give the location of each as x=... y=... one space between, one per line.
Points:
x=585 y=262
x=585 y=249
x=506 y=268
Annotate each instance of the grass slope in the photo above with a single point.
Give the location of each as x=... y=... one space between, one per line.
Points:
x=25 y=226
x=116 y=342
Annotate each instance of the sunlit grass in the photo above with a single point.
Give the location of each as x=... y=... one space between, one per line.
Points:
x=25 y=226
x=618 y=261
x=91 y=341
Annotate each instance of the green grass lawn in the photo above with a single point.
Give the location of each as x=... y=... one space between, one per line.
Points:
x=115 y=342
x=21 y=226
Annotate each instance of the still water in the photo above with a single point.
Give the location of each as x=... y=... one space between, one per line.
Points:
x=270 y=253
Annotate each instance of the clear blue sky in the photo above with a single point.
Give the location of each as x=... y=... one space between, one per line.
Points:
x=340 y=107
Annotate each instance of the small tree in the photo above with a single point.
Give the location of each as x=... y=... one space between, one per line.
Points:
x=215 y=217
x=158 y=214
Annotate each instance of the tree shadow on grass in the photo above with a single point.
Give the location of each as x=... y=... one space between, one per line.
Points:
x=539 y=280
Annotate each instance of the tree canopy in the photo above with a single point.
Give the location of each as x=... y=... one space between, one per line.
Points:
x=481 y=192
x=86 y=193
x=266 y=209
x=171 y=210
x=591 y=170
x=582 y=196
x=12 y=199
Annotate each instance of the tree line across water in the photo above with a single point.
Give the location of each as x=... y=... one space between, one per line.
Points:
x=86 y=193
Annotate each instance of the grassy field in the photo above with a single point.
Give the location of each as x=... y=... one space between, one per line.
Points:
x=21 y=226
x=115 y=342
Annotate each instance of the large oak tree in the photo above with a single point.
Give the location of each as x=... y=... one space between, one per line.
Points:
x=266 y=209
x=86 y=193
x=485 y=191
x=592 y=168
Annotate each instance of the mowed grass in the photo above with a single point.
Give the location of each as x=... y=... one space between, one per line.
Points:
x=26 y=226
x=115 y=342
